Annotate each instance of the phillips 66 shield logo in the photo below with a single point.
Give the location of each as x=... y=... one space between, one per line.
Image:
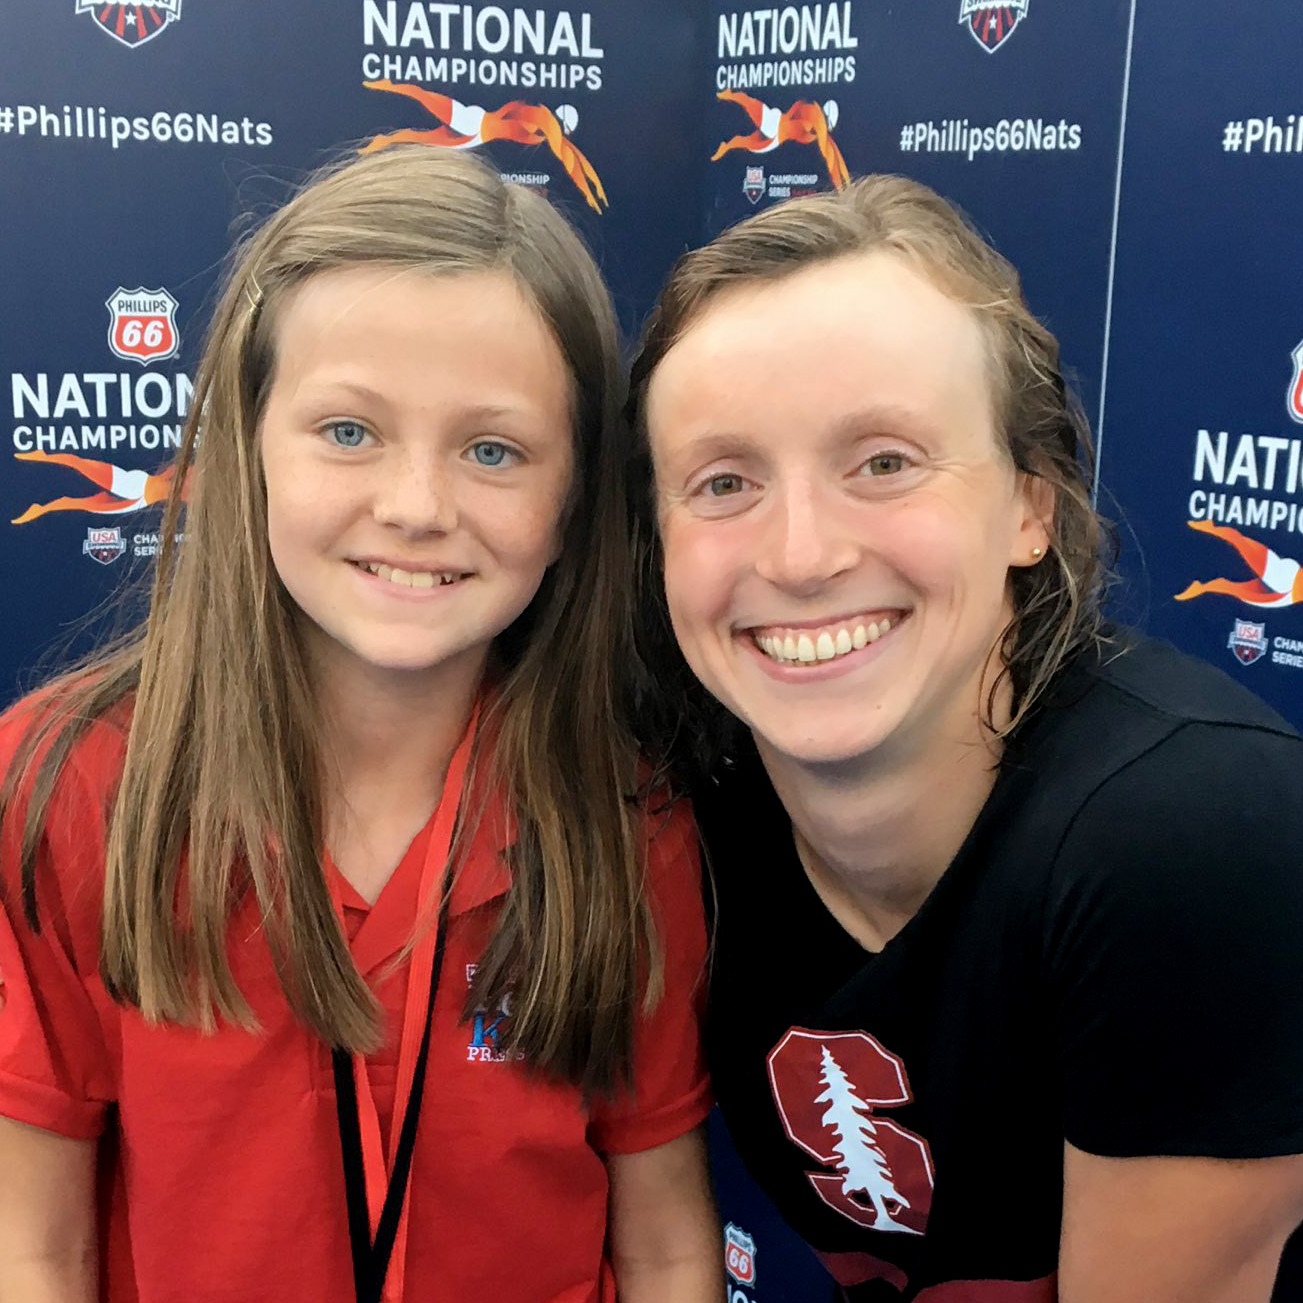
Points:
x=132 y=24
x=739 y=1255
x=142 y=324
x=1294 y=399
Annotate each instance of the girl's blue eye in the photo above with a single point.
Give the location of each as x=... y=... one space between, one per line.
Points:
x=346 y=434
x=489 y=452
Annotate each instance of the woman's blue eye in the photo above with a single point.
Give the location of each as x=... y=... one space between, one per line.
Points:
x=488 y=452
x=346 y=434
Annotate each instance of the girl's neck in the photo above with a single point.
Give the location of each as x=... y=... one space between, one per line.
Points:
x=876 y=835
x=387 y=740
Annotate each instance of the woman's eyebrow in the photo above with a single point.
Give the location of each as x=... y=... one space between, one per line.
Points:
x=877 y=417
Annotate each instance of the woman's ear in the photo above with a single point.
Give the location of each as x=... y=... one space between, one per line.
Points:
x=1036 y=501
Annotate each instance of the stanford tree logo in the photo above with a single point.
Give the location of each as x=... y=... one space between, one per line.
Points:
x=831 y=1089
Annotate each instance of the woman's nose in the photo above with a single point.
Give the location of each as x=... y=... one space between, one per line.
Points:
x=806 y=543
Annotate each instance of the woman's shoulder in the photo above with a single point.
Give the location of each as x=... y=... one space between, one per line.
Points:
x=1171 y=773
x=1118 y=702
x=1143 y=753
x=1151 y=674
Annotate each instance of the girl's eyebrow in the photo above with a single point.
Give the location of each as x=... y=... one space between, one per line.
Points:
x=328 y=387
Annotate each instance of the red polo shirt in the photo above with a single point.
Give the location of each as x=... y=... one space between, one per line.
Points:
x=220 y=1153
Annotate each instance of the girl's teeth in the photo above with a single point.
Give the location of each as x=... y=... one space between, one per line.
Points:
x=824 y=646
x=411 y=578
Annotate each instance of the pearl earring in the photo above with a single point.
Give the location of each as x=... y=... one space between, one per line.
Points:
x=1037 y=553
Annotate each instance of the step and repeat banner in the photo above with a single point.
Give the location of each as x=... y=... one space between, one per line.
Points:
x=1202 y=437
x=136 y=138
x=1141 y=163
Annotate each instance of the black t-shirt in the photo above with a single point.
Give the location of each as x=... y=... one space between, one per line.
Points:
x=1114 y=957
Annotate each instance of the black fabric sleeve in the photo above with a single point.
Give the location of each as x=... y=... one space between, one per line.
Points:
x=1174 y=951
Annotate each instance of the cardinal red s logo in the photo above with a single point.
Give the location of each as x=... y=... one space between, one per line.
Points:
x=829 y=1088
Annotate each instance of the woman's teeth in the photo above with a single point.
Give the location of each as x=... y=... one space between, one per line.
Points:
x=804 y=648
x=411 y=578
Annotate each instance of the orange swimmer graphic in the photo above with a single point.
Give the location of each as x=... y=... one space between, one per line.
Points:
x=1279 y=579
x=122 y=490
x=805 y=122
x=463 y=126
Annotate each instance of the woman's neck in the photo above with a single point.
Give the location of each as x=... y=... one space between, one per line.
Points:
x=875 y=836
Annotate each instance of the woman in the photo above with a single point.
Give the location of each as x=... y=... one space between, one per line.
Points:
x=1008 y=978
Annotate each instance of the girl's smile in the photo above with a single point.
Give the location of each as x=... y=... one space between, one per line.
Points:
x=417 y=452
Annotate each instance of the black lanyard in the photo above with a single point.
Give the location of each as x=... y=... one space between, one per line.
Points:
x=371 y=1261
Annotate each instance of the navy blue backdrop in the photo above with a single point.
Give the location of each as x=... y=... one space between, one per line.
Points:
x=1145 y=180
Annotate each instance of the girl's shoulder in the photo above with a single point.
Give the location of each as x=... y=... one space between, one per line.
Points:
x=80 y=790
x=99 y=742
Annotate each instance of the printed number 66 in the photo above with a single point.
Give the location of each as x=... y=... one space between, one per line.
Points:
x=134 y=333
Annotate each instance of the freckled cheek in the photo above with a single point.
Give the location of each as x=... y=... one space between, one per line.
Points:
x=306 y=513
x=529 y=534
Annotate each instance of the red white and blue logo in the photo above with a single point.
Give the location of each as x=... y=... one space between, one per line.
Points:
x=132 y=24
x=1248 y=641
x=1294 y=400
x=104 y=545
x=990 y=23
x=739 y=1255
x=753 y=185
x=142 y=324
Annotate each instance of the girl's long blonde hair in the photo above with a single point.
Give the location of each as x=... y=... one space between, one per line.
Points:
x=220 y=790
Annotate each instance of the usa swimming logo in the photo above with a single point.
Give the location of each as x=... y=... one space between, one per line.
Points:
x=132 y=24
x=1248 y=641
x=990 y=23
x=104 y=545
x=753 y=185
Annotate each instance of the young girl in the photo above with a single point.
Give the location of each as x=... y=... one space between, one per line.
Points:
x=337 y=963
